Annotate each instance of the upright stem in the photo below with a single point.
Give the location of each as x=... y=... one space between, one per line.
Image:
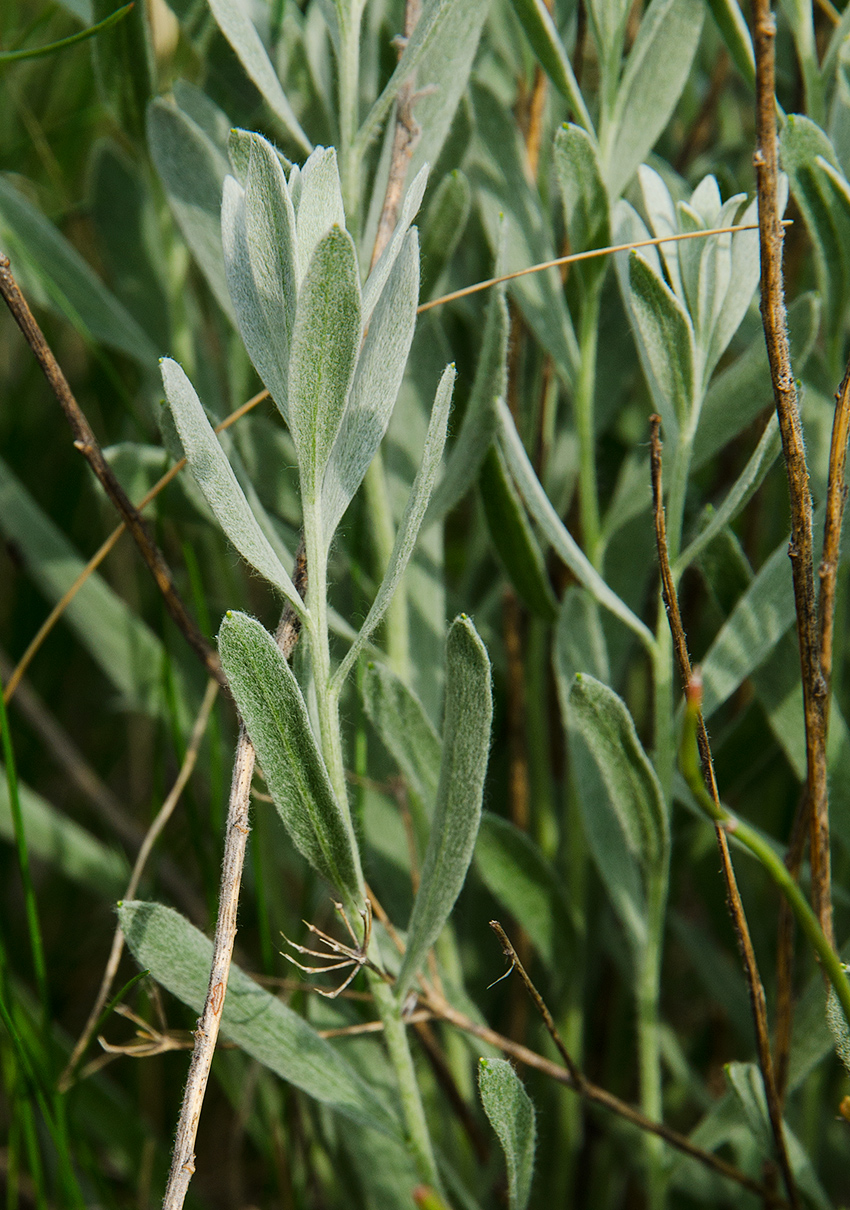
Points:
x=584 y=412
x=649 y=1053
x=383 y=532
x=349 y=109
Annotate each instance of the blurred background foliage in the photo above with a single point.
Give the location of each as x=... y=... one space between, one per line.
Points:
x=101 y=722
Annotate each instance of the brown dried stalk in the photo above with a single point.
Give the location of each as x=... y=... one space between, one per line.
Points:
x=595 y=1095
x=800 y=550
x=232 y=863
x=86 y=442
x=736 y=907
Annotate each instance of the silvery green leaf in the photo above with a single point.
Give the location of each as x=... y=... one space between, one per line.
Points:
x=444 y=224
x=741 y=492
x=823 y=196
x=319 y=206
x=127 y=651
x=64 y=280
x=579 y=642
x=513 y=537
x=54 y=837
x=733 y=26
x=441 y=24
x=379 y=276
x=204 y=112
x=655 y=74
x=545 y=41
x=417 y=502
x=179 y=957
x=743 y=281
x=325 y=344
x=661 y=213
x=625 y=821
x=511 y=1114
x=251 y=318
x=240 y=146
x=466 y=748
x=479 y=420
x=554 y=530
x=665 y=340
x=274 y=712
x=192 y=170
x=236 y=25
x=406 y=731
x=214 y=475
x=516 y=228
x=516 y=873
x=582 y=190
x=270 y=238
x=377 y=379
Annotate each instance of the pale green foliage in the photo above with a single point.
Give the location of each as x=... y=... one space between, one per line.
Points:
x=511 y=1114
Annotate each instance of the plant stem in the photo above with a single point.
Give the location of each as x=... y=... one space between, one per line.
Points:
x=383 y=531
x=584 y=413
x=649 y=1051
x=349 y=109
x=395 y=1034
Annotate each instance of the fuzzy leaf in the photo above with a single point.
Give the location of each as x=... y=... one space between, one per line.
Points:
x=406 y=730
x=214 y=475
x=545 y=41
x=479 y=420
x=192 y=170
x=733 y=26
x=325 y=344
x=379 y=276
x=377 y=380
x=408 y=530
x=274 y=712
x=654 y=76
x=665 y=341
x=179 y=957
x=511 y=1114
x=445 y=221
x=466 y=747
x=583 y=194
x=318 y=204
x=234 y=22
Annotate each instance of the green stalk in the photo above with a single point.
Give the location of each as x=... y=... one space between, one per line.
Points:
x=585 y=428
x=649 y=1047
x=349 y=108
x=761 y=850
x=395 y=1036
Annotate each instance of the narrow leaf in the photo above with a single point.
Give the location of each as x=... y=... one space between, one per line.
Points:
x=325 y=344
x=318 y=204
x=511 y=1114
x=563 y=543
x=582 y=191
x=408 y=530
x=377 y=380
x=179 y=957
x=236 y=25
x=466 y=747
x=406 y=730
x=445 y=221
x=214 y=475
x=665 y=341
x=274 y=712
x=543 y=37
x=379 y=276
x=513 y=537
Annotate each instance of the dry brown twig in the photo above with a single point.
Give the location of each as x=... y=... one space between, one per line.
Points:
x=86 y=442
x=736 y=907
x=800 y=550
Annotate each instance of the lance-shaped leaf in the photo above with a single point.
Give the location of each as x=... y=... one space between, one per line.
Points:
x=445 y=221
x=318 y=203
x=621 y=801
x=215 y=477
x=192 y=169
x=655 y=74
x=408 y=530
x=584 y=195
x=377 y=279
x=233 y=21
x=408 y=733
x=466 y=746
x=325 y=344
x=479 y=420
x=377 y=379
x=273 y=709
x=511 y=1114
x=545 y=41
x=179 y=957
x=665 y=341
